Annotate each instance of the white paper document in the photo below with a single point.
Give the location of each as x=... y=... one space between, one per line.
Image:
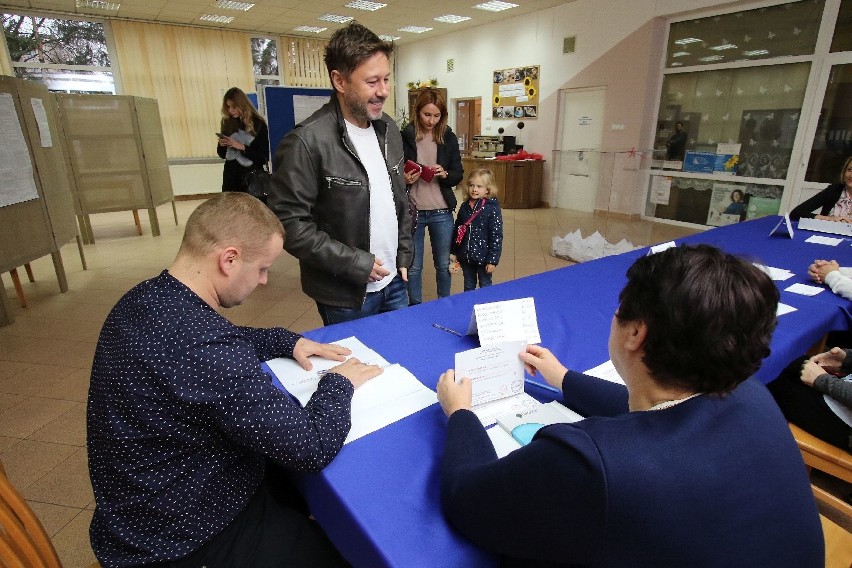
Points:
x=804 y=289
x=823 y=226
x=16 y=167
x=509 y=320
x=381 y=401
x=495 y=371
x=489 y=411
x=820 y=240
x=302 y=384
x=517 y=429
x=42 y=123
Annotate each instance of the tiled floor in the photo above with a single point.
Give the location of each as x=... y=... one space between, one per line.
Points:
x=46 y=355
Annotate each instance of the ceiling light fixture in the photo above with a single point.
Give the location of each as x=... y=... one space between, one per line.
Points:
x=723 y=47
x=389 y=38
x=312 y=29
x=495 y=6
x=451 y=19
x=414 y=29
x=711 y=58
x=99 y=5
x=335 y=18
x=365 y=5
x=216 y=18
x=687 y=40
x=231 y=5
x=755 y=52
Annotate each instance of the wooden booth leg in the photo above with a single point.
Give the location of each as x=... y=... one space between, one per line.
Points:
x=155 y=223
x=6 y=316
x=174 y=211
x=137 y=222
x=19 y=290
x=82 y=254
x=60 y=271
x=29 y=270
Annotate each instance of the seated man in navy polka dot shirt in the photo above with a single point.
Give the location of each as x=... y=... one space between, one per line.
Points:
x=189 y=441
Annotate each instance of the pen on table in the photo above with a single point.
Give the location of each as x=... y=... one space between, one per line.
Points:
x=448 y=330
x=542 y=386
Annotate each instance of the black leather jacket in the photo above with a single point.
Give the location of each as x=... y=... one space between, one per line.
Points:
x=321 y=193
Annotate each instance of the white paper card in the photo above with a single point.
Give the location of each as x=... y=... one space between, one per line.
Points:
x=775 y=273
x=509 y=320
x=302 y=384
x=804 y=289
x=820 y=240
x=784 y=309
x=823 y=226
x=496 y=371
x=605 y=371
x=41 y=123
x=661 y=247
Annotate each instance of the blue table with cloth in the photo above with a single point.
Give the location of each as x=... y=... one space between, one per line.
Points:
x=379 y=499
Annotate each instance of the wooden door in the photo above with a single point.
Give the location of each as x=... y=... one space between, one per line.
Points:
x=468 y=120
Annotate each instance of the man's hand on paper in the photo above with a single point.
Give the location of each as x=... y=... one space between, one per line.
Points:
x=820 y=269
x=357 y=372
x=305 y=348
x=454 y=396
x=542 y=360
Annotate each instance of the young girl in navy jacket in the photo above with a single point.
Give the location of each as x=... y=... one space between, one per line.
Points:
x=478 y=240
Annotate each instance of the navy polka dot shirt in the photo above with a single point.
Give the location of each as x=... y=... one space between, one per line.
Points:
x=180 y=419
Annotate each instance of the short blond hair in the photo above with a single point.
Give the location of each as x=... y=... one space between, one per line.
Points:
x=231 y=218
x=487 y=180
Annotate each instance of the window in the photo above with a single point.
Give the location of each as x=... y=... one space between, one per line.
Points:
x=842 y=40
x=264 y=55
x=833 y=139
x=775 y=31
x=66 y=55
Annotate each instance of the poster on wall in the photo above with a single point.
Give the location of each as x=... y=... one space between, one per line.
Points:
x=515 y=93
x=728 y=205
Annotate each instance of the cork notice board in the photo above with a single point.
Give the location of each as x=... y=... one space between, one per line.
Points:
x=515 y=93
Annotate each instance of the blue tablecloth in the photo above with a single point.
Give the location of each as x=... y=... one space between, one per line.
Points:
x=378 y=500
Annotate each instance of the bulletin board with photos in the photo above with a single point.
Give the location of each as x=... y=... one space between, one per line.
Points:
x=515 y=93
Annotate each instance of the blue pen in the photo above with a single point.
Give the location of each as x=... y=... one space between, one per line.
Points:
x=448 y=330
x=542 y=386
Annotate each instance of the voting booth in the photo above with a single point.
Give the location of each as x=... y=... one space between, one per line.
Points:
x=36 y=201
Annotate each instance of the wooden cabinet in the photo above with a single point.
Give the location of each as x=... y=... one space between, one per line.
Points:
x=519 y=182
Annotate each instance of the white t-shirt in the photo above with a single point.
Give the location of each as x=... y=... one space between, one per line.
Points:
x=384 y=228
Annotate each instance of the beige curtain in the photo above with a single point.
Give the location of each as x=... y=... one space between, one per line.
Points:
x=188 y=71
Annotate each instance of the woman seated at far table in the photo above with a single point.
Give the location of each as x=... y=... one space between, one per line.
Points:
x=834 y=202
x=691 y=465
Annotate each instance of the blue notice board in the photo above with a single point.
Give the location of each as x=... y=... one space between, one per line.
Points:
x=287 y=106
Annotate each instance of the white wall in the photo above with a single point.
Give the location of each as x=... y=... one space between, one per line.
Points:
x=192 y=179
x=536 y=39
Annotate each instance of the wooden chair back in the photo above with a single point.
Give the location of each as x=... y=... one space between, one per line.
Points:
x=23 y=540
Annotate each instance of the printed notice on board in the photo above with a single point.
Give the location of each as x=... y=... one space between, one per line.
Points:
x=41 y=121
x=16 y=167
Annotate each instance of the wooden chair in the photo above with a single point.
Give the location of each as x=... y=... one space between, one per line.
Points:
x=828 y=459
x=838 y=544
x=23 y=540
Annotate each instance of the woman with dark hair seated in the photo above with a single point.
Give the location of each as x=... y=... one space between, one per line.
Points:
x=691 y=465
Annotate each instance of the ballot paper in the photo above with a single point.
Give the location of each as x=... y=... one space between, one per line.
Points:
x=605 y=371
x=775 y=273
x=381 y=401
x=509 y=320
x=495 y=370
x=784 y=309
x=820 y=240
x=804 y=289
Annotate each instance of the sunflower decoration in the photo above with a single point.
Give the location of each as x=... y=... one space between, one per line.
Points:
x=527 y=82
x=731 y=163
x=496 y=100
x=531 y=92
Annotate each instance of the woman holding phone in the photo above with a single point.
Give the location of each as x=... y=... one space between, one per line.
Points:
x=429 y=142
x=243 y=140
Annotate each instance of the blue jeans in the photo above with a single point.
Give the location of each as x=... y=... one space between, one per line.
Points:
x=471 y=273
x=441 y=225
x=391 y=297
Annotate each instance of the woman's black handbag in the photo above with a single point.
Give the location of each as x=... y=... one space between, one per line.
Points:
x=258 y=183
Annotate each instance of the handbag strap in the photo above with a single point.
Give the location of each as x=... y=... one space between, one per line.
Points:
x=462 y=230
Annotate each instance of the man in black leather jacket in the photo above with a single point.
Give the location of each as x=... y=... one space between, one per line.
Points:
x=331 y=194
